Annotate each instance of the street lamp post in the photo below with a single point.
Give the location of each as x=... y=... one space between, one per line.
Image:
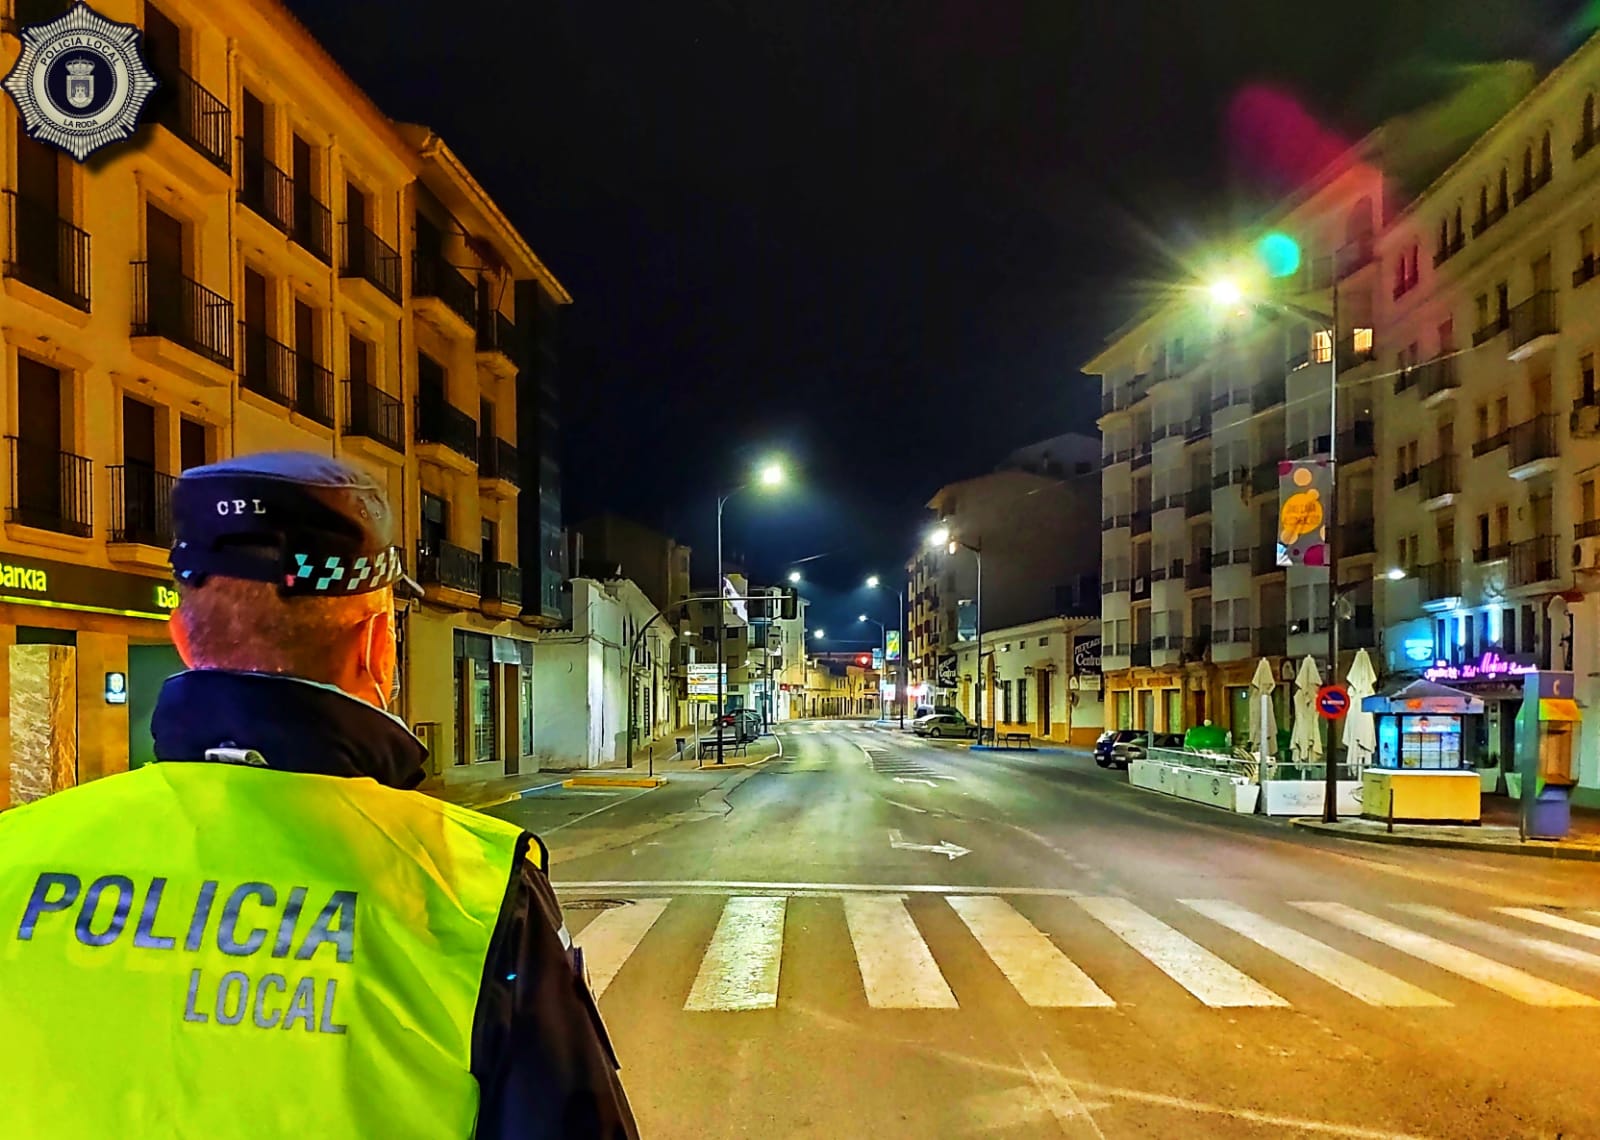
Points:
x=883 y=638
x=770 y=475
x=943 y=537
x=874 y=583
x=1229 y=293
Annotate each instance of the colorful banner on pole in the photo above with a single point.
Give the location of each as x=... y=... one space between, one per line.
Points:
x=1305 y=487
x=894 y=644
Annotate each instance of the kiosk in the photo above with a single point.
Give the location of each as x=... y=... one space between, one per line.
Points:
x=1545 y=730
x=1424 y=770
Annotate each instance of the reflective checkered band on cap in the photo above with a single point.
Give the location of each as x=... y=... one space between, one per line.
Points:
x=327 y=573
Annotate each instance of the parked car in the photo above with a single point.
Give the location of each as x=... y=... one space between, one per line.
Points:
x=1125 y=751
x=939 y=725
x=1109 y=739
x=745 y=722
x=942 y=710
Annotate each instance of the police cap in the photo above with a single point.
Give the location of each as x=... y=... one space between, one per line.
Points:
x=309 y=523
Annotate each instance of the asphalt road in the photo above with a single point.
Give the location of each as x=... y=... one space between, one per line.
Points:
x=875 y=936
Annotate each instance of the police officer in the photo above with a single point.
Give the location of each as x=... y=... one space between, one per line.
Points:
x=267 y=934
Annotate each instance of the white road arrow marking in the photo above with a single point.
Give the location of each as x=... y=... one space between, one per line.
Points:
x=914 y=780
x=946 y=848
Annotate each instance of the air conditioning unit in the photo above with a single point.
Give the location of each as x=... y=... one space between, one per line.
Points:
x=1585 y=422
x=1586 y=556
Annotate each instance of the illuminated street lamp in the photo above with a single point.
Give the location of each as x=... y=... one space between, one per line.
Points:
x=942 y=536
x=818 y=634
x=769 y=476
x=794 y=577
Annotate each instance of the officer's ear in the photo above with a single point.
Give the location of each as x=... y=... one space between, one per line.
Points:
x=178 y=626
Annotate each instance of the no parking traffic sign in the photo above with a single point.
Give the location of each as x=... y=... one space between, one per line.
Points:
x=1333 y=701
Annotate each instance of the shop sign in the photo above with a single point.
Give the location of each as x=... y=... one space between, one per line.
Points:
x=1086 y=654
x=1489 y=666
x=62 y=585
x=703 y=680
x=946 y=676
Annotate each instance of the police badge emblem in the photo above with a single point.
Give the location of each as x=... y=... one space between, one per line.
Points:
x=80 y=82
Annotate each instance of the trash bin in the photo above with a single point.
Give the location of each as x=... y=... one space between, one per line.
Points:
x=1551 y=817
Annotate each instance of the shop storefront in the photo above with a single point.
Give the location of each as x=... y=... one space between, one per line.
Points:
x=83 y=654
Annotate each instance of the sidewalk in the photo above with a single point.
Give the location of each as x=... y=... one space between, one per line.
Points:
x=480 y=794
x=1497 y=833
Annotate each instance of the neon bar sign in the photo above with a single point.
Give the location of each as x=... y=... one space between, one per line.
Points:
x=1489 y=665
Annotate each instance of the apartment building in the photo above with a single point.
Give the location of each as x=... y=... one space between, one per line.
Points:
x=264 y=266
x=1489 y=437
x=1199 y=407
x=1032 y=522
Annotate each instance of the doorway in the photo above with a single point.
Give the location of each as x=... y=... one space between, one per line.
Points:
x=43 y=709
x=1044 y=704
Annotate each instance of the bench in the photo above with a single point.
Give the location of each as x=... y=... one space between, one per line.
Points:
x=731 y=746
x=1016 y=740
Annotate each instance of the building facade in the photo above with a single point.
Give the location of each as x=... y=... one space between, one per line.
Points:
x=1040 y=552
x=1200 y=404
x=1040 y=680
x=262 y=267
x=1489 y=441
x=657 y=563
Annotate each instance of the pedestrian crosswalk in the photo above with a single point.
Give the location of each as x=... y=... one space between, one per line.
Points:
x=809 y=727
x=1087 y=952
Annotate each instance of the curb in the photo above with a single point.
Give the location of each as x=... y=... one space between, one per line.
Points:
x=614 y=782
x=1538 y=849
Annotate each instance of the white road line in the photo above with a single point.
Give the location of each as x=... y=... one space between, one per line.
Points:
x=1489 y=932
x=1352 y=975
x=1447 y=956
x=582 y=887
x=1186 y=962
x=740 y=969
x=1553 y=921
x=897 y=969
x=613 y=936
x=1039 y=972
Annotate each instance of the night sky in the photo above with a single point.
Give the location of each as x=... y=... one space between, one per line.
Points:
x=878 y=236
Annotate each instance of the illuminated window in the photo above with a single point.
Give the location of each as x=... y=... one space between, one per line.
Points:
x=1322 y=346
x=1361 y=340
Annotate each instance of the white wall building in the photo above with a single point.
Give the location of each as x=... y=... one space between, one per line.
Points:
x=1032 y=685
x=581 y=678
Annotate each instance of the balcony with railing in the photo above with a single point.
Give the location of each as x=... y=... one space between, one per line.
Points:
x=497 y=467
x=1449 y=249
x=1355 y=255
x=1116 y=522
x=1406 y=478
x=1491 y=443
x=1586 y=141
x=1588 y=528
x=1197 y=573
x=1533 y=324
x=1197 y=502
x=1139 y=656
x=1264 y=559
x=1588 y=265
x=1533 y=560
x=497 y=339
x=1489 y=217
x=313 y=390
x=1357 y=537
x=1264 y=477
x=1533 y=446
x=1141 y=522
x=51 y=489
x=1531 y=185
x=266 y=366
x=141 y=507
x=1197 y=427
x=372 y=413
x=45 y=251
x=1357 y=442
x=451 y=567
x=1493 y=552
x=1493 y=327
x=313 y=225
x=175 y=308
x=445 y=433
x=1436 y=377
x=1440 y=481
x=195 y=115
x=433 y=279
x=367 y=257
x=265 y=189
x=1267 y=394
x=1440 y=581
x=500 y=591
x=1142 y=454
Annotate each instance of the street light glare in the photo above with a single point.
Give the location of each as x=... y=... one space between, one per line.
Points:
x=872 y=582
x=1396 y=574
x=939 y=537
x=1226 y=291
x=863 y=617
x=817 y=633
x=794 y=577
x=771 y=475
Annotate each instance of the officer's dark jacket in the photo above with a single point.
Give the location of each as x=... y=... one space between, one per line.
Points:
x=539 y=1051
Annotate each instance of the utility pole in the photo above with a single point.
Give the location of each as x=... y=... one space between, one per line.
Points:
x=1330 y=793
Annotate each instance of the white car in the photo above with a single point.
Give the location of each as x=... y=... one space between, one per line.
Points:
x=939 y=725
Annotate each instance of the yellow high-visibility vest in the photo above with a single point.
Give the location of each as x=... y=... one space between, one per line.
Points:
x=213 y=950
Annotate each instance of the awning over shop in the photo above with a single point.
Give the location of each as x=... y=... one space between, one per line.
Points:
x=1426 y=697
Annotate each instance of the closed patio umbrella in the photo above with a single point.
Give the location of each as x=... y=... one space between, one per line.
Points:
x=1360 y=737
x=1305 y=745
x=1263 y=718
